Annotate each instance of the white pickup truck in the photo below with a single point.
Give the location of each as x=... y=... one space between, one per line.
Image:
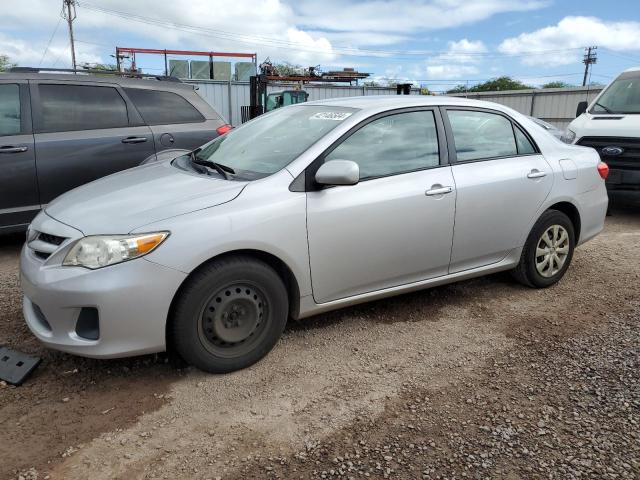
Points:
x=611 y=125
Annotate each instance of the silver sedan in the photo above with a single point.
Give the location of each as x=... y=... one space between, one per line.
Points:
x=306 y=209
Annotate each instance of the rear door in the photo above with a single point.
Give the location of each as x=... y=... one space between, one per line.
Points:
x=173 y=119
x=501 y=181
x=18 y=184
x=84 y=131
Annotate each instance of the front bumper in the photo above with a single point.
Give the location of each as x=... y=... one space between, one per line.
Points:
x=623 y=186
x=132 y=300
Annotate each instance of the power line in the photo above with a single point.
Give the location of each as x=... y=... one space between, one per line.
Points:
x=46 y=49
x=285 y=44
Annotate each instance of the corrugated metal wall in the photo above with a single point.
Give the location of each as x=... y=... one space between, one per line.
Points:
x=228 y=97
x=554 y=105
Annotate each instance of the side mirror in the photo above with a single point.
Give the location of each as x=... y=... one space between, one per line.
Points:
x=338 y=172
x=582 y=107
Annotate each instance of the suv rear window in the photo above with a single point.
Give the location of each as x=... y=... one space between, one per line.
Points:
x=163 y=108
x=80 y=107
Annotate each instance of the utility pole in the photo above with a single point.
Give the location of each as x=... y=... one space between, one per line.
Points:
x=590 y=57
x=69 y=14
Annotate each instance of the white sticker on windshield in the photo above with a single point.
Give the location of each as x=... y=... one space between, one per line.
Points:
x=330 y=116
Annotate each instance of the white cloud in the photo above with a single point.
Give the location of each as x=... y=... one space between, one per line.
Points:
x=572 y=33
x=462 y=51
x=305 y=32
x=458 y=61
x=24 y=53
x=450 y=71
x=404 y=16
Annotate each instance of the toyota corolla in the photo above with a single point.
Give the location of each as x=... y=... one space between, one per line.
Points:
x=306 y=209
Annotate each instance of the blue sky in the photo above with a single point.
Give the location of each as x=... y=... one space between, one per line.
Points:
x=437 y=43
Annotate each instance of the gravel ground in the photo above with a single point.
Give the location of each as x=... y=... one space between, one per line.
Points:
x=481 y=379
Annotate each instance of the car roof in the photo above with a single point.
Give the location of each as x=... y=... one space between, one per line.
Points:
x=377 y=102
x=107 y=78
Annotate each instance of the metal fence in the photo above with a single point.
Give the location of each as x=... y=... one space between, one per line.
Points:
x=554 y=105
x=228 y=97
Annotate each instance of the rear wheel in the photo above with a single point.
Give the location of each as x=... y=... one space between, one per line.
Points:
x=229 y=315
x=548 y=251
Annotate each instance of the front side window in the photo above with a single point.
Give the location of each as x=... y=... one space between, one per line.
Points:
x=9 y=109
x=390 y=145
x=163 y=108
x=479 y=135
x=622 y=96
x=81 y=107
x=270 y=142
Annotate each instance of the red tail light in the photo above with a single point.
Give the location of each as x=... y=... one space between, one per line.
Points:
x=223 y=129
x=603 y=170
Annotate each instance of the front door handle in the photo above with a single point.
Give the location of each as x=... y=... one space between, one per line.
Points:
x=438 y=190
x=535 y=173
x=12 y=149
x=134 y=140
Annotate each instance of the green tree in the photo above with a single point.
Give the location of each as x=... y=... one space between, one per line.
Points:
x=5 y=63
x=493 y=85
x=557 y=84
x=287 y=69
x=105 y=67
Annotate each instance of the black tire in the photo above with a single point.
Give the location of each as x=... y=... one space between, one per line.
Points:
x=229 y=298
x=527 y=272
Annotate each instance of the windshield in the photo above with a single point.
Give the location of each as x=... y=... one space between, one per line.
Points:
x=622 y=96
x=270 y=142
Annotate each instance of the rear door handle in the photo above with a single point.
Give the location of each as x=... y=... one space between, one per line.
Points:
x=134 y=140
x=438 y=190
x=12 y=149
x=536 y=174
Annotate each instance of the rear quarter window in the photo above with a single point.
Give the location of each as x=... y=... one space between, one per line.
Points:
x=163 y=108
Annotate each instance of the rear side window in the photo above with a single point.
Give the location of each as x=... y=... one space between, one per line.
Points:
x=9 y=109
x=479 y=135
x=163 y=108
x=80 y=107
x=525 y=146
x=390 y=145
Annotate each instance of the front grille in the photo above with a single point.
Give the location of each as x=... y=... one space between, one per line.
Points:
x=45 y=244
x=49 y=238
x=628 y=159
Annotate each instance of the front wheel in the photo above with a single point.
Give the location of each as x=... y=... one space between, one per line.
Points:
x=229 y=315
x=548 y=251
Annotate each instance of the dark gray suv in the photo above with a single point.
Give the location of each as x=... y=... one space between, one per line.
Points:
x=59 y=131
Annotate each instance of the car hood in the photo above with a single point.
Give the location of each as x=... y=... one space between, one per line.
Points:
x=127 y=200
x=619 y=125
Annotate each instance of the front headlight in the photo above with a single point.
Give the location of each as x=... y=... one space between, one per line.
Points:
x=568 y=136
x=101 y=250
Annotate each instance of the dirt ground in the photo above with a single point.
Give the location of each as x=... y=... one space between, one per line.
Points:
x=480 y=379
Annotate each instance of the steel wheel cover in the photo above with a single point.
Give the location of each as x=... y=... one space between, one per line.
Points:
x=233 y=319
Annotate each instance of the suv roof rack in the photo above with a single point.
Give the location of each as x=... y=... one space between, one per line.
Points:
x=161 y=78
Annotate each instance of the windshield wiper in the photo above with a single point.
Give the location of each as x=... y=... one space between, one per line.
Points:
x=221 y=169
x=606 y=109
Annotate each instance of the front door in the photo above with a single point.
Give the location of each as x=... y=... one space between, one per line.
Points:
x=501 y=181
x=19 y=201
x=395 y=226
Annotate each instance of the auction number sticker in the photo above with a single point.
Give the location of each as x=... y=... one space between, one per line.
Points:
x=330 y=116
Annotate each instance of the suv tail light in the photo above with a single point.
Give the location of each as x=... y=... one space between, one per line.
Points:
x=603 y=170
x=223 y=129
